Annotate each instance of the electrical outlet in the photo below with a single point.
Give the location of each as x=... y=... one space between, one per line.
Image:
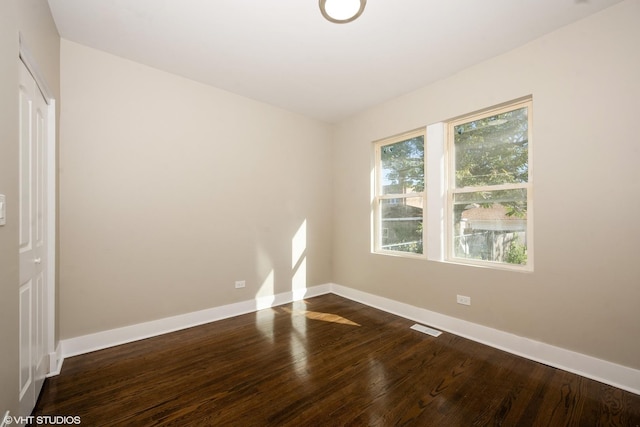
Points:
x=3 y=209
x=240 y=284
x=461 y=299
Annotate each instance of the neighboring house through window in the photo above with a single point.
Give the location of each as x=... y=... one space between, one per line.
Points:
x=489 y=186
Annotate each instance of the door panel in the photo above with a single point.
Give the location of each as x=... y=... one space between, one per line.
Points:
x=40 y=349
x=39 y=173
x=41 y=259
x=32 y=249
x=26 y=315
x=25 y=171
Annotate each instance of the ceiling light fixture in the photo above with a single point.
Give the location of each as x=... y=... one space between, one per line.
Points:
x=342 y=11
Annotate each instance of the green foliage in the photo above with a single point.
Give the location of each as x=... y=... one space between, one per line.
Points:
x=402 y=172
x=403 y=166
x=493 y=150
x=516 y=253
x=517 y=209
x=403 y=235
x=489 y=152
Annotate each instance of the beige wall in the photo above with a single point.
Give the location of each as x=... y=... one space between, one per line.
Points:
x=33 y=20
x=171 y=190
x=9 y=187
x=585 y=290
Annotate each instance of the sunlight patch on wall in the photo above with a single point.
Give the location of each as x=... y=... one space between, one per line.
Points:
x=372 y=204
x=299 y=262
x=266 y=293
x=299 y=244
x=299 y=280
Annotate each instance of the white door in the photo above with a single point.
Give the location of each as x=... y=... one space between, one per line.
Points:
x=33 y=248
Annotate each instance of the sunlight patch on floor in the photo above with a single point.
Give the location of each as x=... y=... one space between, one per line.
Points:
x=325 y=317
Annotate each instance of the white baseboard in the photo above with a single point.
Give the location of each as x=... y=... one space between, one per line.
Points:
x=600 y=370
x=101 y=340
x=55 y=361
x=597 y=369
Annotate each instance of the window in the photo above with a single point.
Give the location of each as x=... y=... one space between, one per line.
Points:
x=465 y=183
x=489 y=197
x=399 y=195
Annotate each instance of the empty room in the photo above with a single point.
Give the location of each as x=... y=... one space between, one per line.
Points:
x=319 y=212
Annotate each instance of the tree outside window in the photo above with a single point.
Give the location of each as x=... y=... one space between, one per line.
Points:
x=399 y=199
x=490 y=186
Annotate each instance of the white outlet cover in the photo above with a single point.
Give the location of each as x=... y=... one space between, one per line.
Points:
x=3 y=209
x=462 y=299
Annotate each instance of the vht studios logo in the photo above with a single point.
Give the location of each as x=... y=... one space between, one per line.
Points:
x=43 y=419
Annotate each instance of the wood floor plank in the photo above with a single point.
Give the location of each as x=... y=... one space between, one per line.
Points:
x=325 y=361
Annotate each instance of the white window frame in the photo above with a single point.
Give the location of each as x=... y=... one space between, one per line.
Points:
x=451 y=190
x=378 y=196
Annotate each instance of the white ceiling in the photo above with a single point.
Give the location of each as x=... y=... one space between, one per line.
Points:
x=284 y=53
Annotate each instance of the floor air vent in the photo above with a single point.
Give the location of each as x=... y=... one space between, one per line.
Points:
x=426 y=330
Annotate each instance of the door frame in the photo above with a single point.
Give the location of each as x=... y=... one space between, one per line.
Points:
x=54 y=351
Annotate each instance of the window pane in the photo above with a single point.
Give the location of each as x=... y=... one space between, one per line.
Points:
x=401 y=224
x=402 y=166
x=491 y=226
x=493 y=150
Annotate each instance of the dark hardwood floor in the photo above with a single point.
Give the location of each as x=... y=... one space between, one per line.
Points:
x=326 y=361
